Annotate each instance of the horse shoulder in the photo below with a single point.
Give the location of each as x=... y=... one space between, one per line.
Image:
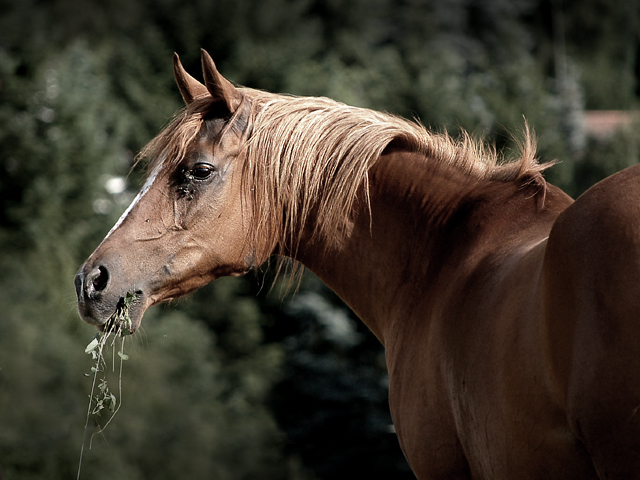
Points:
x=468 y=385
x=592 y=273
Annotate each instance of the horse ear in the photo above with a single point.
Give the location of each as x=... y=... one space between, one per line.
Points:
x=219 y=87
x=190 y=88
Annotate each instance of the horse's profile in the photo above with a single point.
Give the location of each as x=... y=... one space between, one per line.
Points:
x=508 y=312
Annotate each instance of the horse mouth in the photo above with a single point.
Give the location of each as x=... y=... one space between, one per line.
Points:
x=125 y=318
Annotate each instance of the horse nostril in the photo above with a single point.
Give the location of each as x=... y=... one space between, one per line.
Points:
x=78 y=281
x=101 y=280
x=95 y=282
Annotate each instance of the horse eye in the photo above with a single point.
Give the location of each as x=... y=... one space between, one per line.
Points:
x=202 y=171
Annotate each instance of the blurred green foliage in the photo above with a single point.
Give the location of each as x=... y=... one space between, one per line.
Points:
x=233 y=383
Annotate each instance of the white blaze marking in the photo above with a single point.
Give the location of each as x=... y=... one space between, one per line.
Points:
x=145 y=188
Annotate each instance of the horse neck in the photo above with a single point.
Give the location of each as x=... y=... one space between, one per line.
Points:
x=422 y=218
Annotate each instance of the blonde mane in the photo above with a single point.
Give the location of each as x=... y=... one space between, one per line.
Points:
x=308 y=157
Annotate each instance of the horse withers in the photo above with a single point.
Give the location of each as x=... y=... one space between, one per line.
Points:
x=508 y=312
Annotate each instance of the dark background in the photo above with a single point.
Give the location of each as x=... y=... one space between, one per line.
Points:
x=236 y=382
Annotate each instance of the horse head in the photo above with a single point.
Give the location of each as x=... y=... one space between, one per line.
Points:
x=188 y=224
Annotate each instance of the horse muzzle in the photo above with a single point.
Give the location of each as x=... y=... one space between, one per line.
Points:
x=99 y=298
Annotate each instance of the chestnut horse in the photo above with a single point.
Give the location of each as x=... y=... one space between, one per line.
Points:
x=508 y=313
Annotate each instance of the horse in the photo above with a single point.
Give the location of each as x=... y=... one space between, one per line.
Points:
x=508 y=311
